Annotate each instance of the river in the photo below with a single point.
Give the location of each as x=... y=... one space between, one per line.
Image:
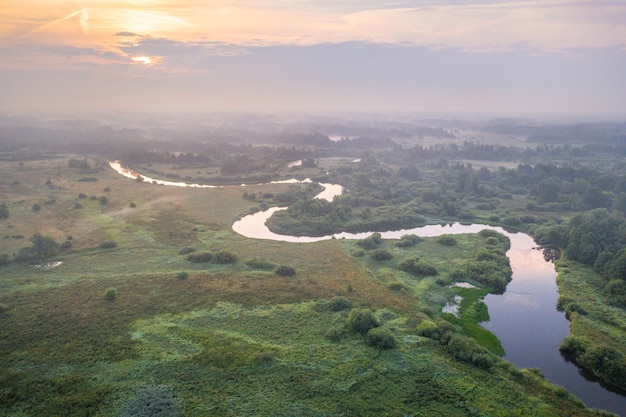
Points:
x=525 y=318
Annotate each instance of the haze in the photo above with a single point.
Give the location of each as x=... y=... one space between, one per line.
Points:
x=531 y=57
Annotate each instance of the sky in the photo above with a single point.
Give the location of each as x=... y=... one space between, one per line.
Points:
x=412 y=56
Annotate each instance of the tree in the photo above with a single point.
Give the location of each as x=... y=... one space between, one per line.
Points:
x=43 y=246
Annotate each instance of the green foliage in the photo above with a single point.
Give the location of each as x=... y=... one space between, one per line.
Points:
x=339 y=304
x=224 y=257
x=285 y=271
x=109 y=244
x=398 y=286
x=4 y=258
x=110 y=293
x=260 y=263
x=361 y=321
x=335 y=334
x=370 y=242
x=153 y=401
x=417 y=266
x=381 y=338
x=182 y=275
x=468 y=350
x=408 y=241
x=359 y=253
x=446 y=240
x=36 y=207
x=42 y=247
x=103 y=200
x=381 y=255
x=4 y=308
x=200 y=257
x=574 y=346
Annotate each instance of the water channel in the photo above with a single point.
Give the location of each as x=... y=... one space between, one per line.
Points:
x=525 y=318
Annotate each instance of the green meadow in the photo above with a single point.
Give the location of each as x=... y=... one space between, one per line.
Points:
x=236 y=338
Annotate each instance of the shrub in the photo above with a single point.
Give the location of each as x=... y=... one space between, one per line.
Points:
x=339 y=304
x=109 y=244
x=82 y=195
x=78 y=206
x=361 y=321
x=4 y=258
x=200 y=257
x=381 y=255
x=182 y=275
x=224 y=257
x=335 y=334
x=132 y=205
x=260 y=263
x=110 y=293
x=103 y=200
x=423 y=268
x=154 y=401
x=370 y=242
x=285 y=271
x=398 y=286
x=381 y=337
x=187 y=249
x=574 y=346
x=66 y=245
x=36 y=207
x=359 y=253
x=446 y=240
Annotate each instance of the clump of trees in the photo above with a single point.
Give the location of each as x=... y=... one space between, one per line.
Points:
x=221 y=257
x=489 y=266
x=42 y=247
x=417 y=266
x=602 y=361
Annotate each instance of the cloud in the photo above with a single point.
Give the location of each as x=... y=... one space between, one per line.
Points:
x=83 y=21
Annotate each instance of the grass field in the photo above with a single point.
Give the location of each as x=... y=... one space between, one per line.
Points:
x=226 y=339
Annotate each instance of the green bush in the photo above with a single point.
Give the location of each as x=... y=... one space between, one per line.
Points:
x=200 y=257
x=110 y=293
x=361 y=321
x=359 y=253
x=339 y=304
x=108 y=244
x=225 y=257
x=381 y=337
x=4 y=258
x=381 y=255
x=446 y=240
x=574 y=346
x=182 y=275
x=285 y=271
x=398 y=286
x=260 y=263
x=36 y=207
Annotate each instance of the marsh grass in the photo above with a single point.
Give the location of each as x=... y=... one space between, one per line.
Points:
x=228 y=340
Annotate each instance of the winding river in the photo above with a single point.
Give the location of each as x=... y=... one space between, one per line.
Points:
x=524 y=318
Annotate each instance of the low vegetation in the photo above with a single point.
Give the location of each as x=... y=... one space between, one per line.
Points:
x=144 y=330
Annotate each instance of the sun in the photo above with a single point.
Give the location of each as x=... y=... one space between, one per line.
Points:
x=146 y=60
